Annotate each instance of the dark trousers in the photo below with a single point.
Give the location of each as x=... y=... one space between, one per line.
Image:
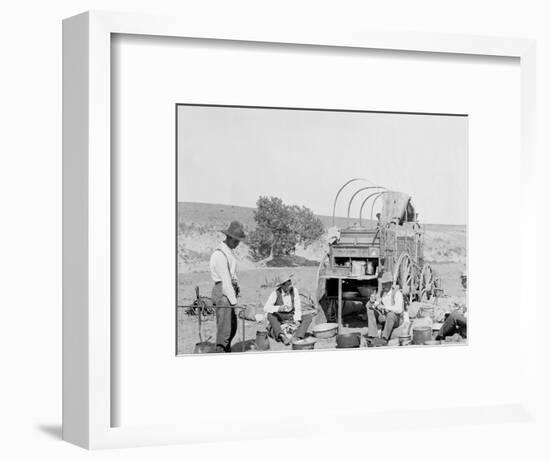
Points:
x=392 y=322
x=373 y=316
x=454 y=323
x=277 y=318
x=226 y=320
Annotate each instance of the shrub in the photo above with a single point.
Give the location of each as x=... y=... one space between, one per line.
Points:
x=280 y=227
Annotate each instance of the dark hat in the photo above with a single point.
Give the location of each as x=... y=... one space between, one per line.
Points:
x=235 y=230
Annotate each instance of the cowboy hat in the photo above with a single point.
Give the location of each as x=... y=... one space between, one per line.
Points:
x=235 y=230
x=283 y=279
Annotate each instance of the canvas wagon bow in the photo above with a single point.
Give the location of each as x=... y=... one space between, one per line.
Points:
x=391 y=242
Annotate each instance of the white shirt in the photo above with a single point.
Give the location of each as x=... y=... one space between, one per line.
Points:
x=271 y=308
x=397 y=307
x=220 y=272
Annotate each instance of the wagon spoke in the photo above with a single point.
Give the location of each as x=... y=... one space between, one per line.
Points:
x=426 y=282
x=403 y=274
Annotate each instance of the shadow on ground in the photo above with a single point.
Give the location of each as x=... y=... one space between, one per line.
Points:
x=52 y=430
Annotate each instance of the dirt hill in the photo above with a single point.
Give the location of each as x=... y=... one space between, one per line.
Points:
x=199 y=226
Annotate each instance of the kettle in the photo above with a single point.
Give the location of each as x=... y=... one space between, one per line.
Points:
x=262 y=341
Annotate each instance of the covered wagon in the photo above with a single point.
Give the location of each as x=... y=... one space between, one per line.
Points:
x=358 y=255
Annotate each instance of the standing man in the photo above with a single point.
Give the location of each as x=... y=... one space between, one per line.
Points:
x=223 y=269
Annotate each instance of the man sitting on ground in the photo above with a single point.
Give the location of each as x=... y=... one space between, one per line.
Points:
x=283 y=307
x=455 y=322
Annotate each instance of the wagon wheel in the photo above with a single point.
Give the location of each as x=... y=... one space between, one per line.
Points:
x=415 y=294
x=427 y=283
x=403 y=274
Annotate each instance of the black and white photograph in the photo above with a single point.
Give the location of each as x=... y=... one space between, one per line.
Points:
x=224 y=208
x=310 y=229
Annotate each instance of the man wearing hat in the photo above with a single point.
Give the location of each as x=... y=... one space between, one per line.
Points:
x=223 y=269
x=283 y=306
x=391 y=304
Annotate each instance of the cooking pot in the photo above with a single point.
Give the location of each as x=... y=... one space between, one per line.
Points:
x=325 y=330
x=304 y=344
x=204 y=347
x=422 y=334
x=348 y=340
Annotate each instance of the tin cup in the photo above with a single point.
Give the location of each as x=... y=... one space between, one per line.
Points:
x=405 y=340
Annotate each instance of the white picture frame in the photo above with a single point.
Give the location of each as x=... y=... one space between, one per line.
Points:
x=87 y=360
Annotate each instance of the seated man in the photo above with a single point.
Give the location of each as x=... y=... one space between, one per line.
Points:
x=391 y=305
x=455 y=322
x=282 y=307
x=372 y=315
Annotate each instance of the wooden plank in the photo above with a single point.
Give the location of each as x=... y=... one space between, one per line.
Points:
x=348 y=277
x=351 y=252
x=340 y=305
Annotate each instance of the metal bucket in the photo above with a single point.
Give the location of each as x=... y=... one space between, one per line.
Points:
x=358 y=268
x=262 y=341
x=421 y=334
x=348 y=341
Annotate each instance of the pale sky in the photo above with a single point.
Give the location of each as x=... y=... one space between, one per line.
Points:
x=233 y=155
